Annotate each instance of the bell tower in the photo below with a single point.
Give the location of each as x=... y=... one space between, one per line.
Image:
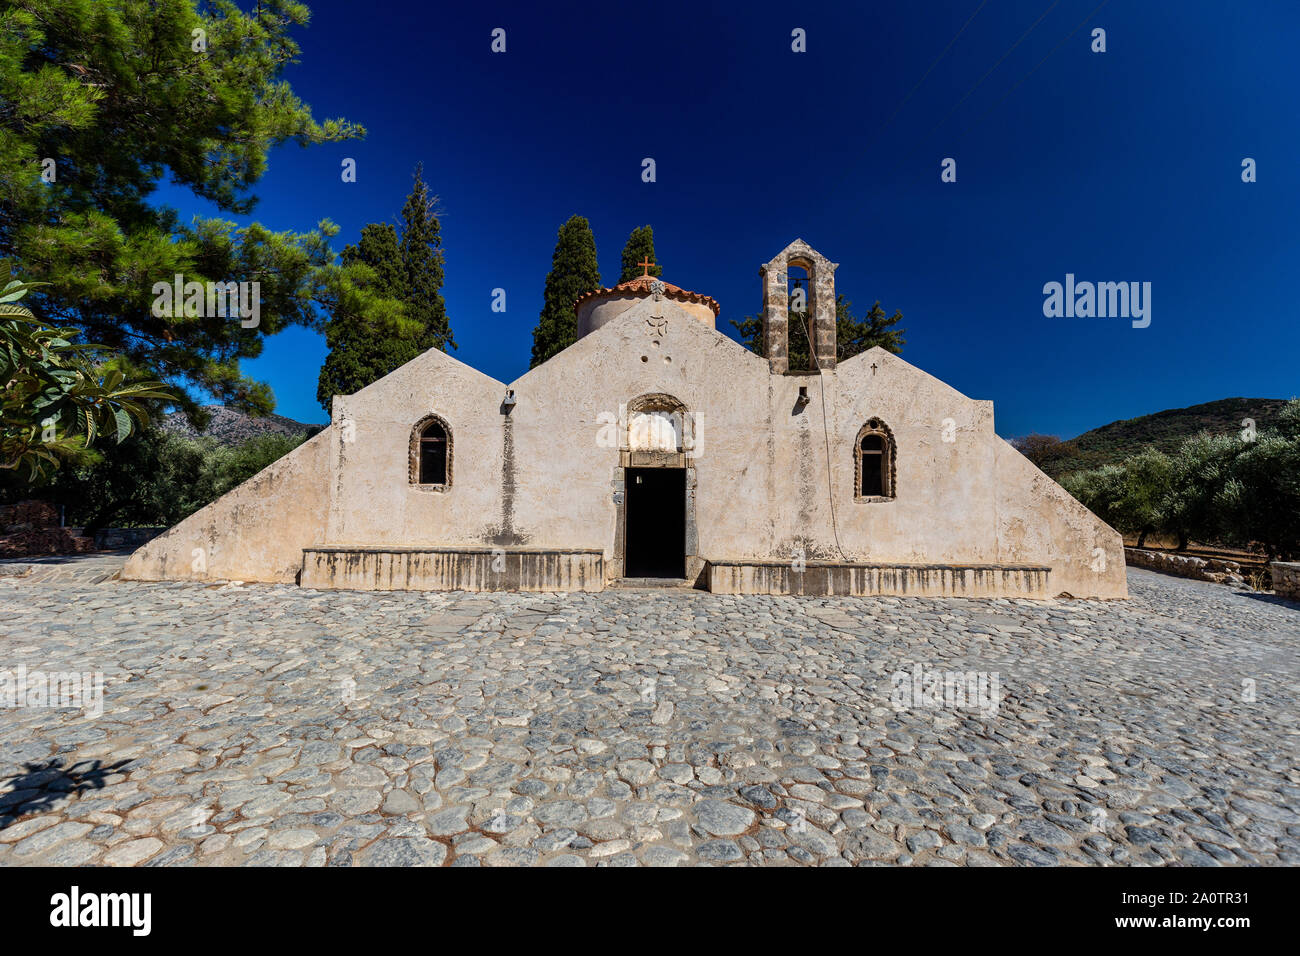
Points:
x=776 y=305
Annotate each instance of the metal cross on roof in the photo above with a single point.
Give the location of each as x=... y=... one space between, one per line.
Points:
x=645 y=264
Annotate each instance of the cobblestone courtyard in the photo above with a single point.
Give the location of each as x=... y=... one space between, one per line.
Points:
x=274 y=725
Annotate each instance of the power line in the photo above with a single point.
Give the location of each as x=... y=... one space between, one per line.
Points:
x=907 y=156
x=930 y=69
x=1035 y=69
x=981 y=80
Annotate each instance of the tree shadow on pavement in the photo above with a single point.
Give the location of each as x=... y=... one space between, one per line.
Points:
x=41 y=786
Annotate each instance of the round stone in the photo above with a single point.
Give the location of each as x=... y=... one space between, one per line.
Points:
x=723 y=819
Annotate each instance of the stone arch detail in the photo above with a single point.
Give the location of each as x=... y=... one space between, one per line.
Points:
x=875 y=426
x=661 y=402
x=413 y=452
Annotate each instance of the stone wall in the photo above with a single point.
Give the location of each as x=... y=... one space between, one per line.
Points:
x=1286 y=579
x=1186 y=566
x=111 y=539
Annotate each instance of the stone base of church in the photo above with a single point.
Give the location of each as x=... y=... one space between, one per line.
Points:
x=330 y=568
x=827 y=578
x=451 y=569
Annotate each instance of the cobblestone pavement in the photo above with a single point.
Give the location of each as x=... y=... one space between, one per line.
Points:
x=94 y=568
x=273 y=725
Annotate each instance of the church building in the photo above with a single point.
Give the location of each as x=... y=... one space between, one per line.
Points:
x=658 y=451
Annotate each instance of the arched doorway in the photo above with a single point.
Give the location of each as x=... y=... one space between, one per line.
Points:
x=658 y=515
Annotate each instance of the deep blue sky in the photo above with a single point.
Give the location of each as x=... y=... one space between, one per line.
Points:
x=1117 y=166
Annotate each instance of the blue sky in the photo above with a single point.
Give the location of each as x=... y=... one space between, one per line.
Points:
x=1115 y=166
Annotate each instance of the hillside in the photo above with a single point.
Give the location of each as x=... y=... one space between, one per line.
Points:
x=1164 y=431
x=231 y=427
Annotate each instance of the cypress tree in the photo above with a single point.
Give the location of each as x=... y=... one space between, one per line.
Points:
x=408 y=269
x=422 y=260
x=359 y=352
x=574 y=271
x=640 y=248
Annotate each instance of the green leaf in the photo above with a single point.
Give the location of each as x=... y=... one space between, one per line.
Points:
x=123 y=422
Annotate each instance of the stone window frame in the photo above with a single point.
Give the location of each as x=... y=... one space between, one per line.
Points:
x=875 y=426
x=417 y=432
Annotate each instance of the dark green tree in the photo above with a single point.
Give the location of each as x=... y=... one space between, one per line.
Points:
x=422 y=263
x=852 y=336
x=99 y=101
x=574 y=271
x=152 y=478
x=1260 y=501
x=1192 y=507
x=358 y=353
x=1145 y=486
x=380 y=248
x=640 y=248
x=156 y=477
x=407 y=269
x=59 y=396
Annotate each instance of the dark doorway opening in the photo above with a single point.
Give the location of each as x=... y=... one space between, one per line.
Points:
x=656 y=523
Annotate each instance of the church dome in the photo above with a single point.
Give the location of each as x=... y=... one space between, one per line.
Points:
x=600 y=306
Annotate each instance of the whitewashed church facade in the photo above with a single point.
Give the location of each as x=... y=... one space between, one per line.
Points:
x=656 y=449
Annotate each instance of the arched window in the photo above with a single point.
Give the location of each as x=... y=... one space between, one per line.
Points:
x=431 y=453
x=874 y=462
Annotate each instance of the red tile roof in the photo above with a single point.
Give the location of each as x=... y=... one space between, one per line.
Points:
x=641 y=286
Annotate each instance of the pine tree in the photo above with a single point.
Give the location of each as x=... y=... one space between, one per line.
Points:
x=854 y=336
x=574 y=271
x=110 y=99
x=408 y=269
x=640 y=248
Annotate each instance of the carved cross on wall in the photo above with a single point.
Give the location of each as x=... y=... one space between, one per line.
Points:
x=873 y=368
x=658 y=324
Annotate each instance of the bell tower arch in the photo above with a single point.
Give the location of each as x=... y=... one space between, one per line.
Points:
x=776 y=305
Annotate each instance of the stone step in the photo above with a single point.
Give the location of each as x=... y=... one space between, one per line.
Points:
x=652 y=583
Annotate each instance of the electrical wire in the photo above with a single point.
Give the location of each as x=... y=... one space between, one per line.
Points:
x=821 y=389
x=981 y=80
x=1017 y=84
x=930 y=68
